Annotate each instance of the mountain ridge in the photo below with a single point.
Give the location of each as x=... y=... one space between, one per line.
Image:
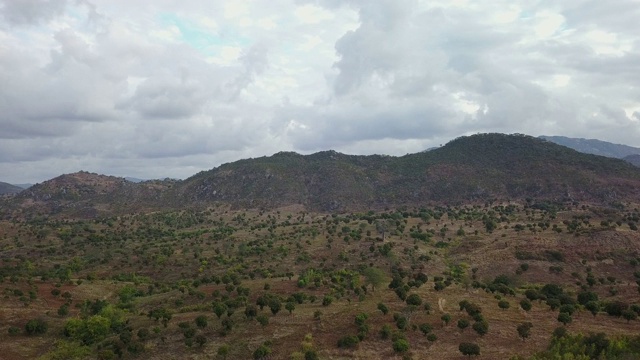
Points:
x=594 y=146
x=8 y=189
x=477 y=168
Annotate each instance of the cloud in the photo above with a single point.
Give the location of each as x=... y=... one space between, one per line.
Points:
x=156 y=89
x=29 y=12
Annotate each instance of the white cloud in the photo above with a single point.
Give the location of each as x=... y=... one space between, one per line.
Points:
x=163 y=88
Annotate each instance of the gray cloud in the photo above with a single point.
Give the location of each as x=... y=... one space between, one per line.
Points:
x=28 y=12
x=155 y=89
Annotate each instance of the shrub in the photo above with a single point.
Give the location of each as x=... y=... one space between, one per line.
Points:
x=348 y=341
x=414 y=299
x=481 y=327
x=36 y=327
x=262 y=352
x=425 y=328
x=383 y=308
x=401 y=346
x=469 y=349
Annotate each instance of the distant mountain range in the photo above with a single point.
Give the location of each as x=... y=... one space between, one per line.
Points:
x=9 y=189
x=634 y=159
x=473 y=169
x=593 y=146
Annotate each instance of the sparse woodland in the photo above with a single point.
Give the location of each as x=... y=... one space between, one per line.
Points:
x=510 y=280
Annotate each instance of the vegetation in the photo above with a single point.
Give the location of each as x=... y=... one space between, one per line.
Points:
x=214 y=280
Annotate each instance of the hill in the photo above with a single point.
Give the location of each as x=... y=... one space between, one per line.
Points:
x=6 y=188
x=169 y=270
x=593 y=146
x=473 y=169
x=83 y=194
x=633 y=159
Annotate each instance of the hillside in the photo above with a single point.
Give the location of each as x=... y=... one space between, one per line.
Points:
x=501 y=246
x=8 y=188
x=633 y=159
x=410 y=283
x=593 y=146
x=473 y=169
x=88 y=195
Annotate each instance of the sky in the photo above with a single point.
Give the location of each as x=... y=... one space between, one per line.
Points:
x=155 y=89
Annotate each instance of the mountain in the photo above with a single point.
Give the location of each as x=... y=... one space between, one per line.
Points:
x=23 y=186
x=134 y=180
x=633 y=159
x=593 y=146
x=472 y=169
x=6 y=188
x=88 y=195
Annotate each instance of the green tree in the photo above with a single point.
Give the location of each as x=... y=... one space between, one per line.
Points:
x=524 y=330
x=525 y=304
x=374 y=277
x=348 y=341
x=36 y=327
x=629 y=315
x=275 y=305
x=425 y=328
x=481 y=327
x=593 y=307
x=414 y=299
x=250 y=311
x=219 y=308
x=401 y=346
x=201 y=321
x=503 y=304
x=290 y=306
x=463 y=324
x=383 y=308
x=469 y=349
x=263 y=319
x=564 y=318
x=262 y=351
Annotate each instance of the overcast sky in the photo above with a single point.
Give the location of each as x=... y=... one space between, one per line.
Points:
x=155 y=89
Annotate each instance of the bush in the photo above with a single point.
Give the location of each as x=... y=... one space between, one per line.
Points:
x=481 y=327
x=348 y=341
x=414 y=299
x=201 y=321
x=564 y=318
x=36 y=327
x=425 y=328
x=385 y=332
x=262 y=352
x=524 y=330
x=401 y=346
x=469 y=349
x=383 y=308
